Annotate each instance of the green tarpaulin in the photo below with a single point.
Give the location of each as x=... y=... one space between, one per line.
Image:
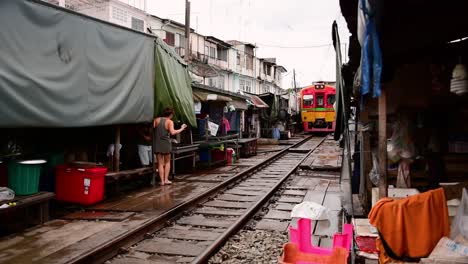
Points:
x=172 y=84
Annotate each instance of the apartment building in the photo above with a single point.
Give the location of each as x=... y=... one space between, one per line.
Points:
x=126 y=13
x=228 y=65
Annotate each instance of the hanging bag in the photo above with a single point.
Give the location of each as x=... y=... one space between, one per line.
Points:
x=460 y=222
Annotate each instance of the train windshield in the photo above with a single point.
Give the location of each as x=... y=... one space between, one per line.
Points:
x=331 y=99
x=308 y=100
x=320 y=101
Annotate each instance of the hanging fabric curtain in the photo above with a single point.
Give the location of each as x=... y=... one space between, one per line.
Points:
x=371 y=64
x=172 y=84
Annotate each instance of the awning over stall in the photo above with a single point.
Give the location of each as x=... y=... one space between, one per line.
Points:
x=239 y=104
x=206 y=97
x=257 y=102
x=61 y=69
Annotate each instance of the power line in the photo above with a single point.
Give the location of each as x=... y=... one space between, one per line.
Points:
x=297 y=47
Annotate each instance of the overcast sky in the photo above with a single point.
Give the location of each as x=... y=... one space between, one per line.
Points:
x=282 y=29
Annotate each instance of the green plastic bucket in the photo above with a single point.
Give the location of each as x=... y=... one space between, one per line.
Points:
x=23 y=176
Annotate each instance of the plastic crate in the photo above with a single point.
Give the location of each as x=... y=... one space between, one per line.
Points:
x=79 y=185
x=23 y=176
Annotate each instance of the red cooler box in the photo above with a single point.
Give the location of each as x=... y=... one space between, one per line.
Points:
x=79 y=185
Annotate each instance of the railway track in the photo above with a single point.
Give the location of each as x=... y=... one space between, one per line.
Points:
x=194 y=230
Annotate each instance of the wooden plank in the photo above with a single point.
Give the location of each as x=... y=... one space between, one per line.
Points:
x=383 y=188
x=191 y=234
x=217 y=211
x=278 y=215
x=295 y=192
x=170 y=247
x=332 y=201
x=24 y=201
x=284 y=206
x=237 y=198
x=290 y=199
x=200 y=220
x=99 y=215
x=241 y=192
x=274 y=225
x=234 y=205
x=315 y=196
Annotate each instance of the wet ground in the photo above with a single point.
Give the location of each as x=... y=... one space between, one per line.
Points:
x=62 y=240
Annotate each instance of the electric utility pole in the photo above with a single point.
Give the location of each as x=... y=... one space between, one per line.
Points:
x=187 y=31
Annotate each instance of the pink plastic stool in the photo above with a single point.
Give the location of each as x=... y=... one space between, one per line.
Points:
x=302 y=236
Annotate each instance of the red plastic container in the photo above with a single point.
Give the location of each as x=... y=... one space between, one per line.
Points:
x=79 y=185
x=3 y=174
x=217 y=155
x=229 y=156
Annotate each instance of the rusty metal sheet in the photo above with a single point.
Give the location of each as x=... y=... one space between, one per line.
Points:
x=191 y=234
x=237 y=198
x=277 y=214
x=290 y=199
x=170 y=247
x=200 y=220
x=223 y=204
x=217 y=211
x=274 y=225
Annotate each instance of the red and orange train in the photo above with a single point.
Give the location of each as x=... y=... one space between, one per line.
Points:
x=317 y=112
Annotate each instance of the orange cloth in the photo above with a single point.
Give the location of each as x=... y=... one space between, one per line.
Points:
x=413 y=226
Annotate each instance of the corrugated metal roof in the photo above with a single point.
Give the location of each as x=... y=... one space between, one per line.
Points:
x=257 y=102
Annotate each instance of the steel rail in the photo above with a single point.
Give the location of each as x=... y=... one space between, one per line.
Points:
x=240 y=223
x=112 y=247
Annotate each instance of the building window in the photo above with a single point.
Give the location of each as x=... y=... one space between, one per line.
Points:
x=221 y=82
x=222 y=54
x=249 y=62
x=212 y=82
x=266 y=88
x=170 y=39
x=238 y=58
x=119 y=14
x=267 y=70
x=245 y=85
x=212 y=52
x=138 y=24
x=181 y=40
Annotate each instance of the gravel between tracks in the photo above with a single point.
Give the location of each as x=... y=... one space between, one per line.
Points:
x=252 y=247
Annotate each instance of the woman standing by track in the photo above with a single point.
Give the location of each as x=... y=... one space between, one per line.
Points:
x=163 y=129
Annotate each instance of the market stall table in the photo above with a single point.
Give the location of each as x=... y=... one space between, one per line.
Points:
x=213 y=142
x=248 y=147
x=36 y=204
x=182 y=151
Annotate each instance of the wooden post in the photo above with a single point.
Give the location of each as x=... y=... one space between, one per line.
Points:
x=383 y=188
x=116 y=149
x=366 y=159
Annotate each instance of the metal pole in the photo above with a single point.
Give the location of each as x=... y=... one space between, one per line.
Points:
x=187 y=31
x=116 y=149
